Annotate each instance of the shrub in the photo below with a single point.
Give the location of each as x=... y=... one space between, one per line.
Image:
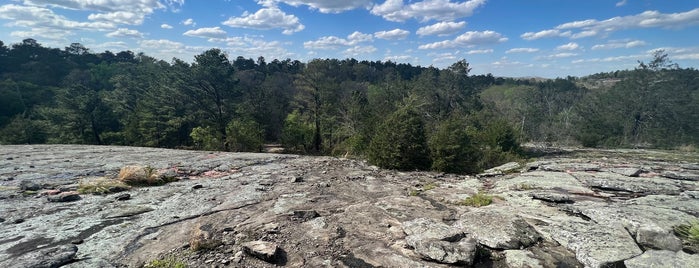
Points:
x=400 y=142
x=142 y=176
x=245 y=135
x=451 y=148
x=206 y=138
x=477 y=200
x=165 y=263
x=297 y=135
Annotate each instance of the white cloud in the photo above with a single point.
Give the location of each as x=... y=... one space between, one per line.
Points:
x=591 y=27
x=441 y=28
x=324 y=6
x=213 y=32
x=123 y=32
x=558 y=56
x=359 y=51
x=39 y=18
x=166 y=26
x=569 y=46
x=522 y=50
x=479 y=51
x=395 y=34
x=444 y=10
x=189 y=22
x=130 y=12
x=468 y=38
x=621 y=3
x=252 y=47
x=619 y=44
x=266 y=19
x=334 y=42
x=446 y=57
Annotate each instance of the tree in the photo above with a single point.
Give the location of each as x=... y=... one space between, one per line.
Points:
x=452 y=149
x=400 y=142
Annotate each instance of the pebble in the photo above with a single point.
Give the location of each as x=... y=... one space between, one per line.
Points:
x=197 y=186
x=123 y=197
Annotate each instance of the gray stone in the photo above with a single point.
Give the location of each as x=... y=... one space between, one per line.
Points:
x=498 y=229
x=651 y=236
x=64 y=197
x=663 y=258
x=595 y=245
x=266 y=251
x=627 y=171
x=552 y=197
x=543 y=180
x=566 y=167
x=44 y=258
x=500 y=170
x=676 y=175
x=462 y=252
x=615 y=182
x=521 y=258
x=29 y=186
x=305 y=215
x=431 y=229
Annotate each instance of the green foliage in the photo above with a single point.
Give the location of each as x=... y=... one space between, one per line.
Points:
x=400 y=142
x=165 y=263
x=245 y=135
x=297 y=135
x=477 y=200
x=689 y=233
x=206 y=138
x=451 y=148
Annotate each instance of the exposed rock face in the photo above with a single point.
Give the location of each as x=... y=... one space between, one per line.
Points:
x=579 y=208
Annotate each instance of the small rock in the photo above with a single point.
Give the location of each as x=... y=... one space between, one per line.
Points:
x=237 y=257
x=29 y=186
x=662 y=258
x=122 y=197
x=559 y=198
x=77 y=241
x=18 y=221
x=117 y=189
x=298 y=179
x=629 y=172
x=654 y=237
x=685 y=176
x=305 y=215
x=521 y=258
x=2 y=219
x=266 y=251
x=49 y=257
x=64 y=197
x=208 y=261
x=427 y=228
x=197 y=186
x=462 y=252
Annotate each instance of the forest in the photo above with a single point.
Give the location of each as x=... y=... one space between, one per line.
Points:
x=395 y=115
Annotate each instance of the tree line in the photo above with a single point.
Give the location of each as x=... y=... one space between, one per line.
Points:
x=393 y=114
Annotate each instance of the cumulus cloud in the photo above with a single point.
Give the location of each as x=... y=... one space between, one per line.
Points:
x=444 y=10
x=467 y=39
x=621 y=3
x=334 y=42
x=558 y=56
x=123 y=32
x=614 y=44
x=132 y=12
x=251 y=47
x=522 y=50
x=266 y=19
x=166 y=26
x=35 y=17
x=324 y=6
x=591 y=27
x=359 y=50
x=395 y=34
x=213 y=32
x=569 y=46
x=189 y=22
x=479 y=51
x=441 y=28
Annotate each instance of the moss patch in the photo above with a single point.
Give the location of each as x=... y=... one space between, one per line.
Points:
x=477 y=200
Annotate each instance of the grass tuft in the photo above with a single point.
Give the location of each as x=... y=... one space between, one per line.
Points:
x=689 y=233
x=101 y=186
x=143 y=176
x=165 y=263
x=477 y=200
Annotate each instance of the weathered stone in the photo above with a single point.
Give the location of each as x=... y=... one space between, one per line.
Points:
x=498 y=229
x=462 y=252
x=651 y=236
x=627 y=171
x=122 y=197
x=64 y=197
x=552 y=197
x=44 y=258
x=595 y=245
x=500 y=170
x=615 y=182
x=565 y=167
x=521 y=258
x=305 y=215
x=542 y=180
x=266 y=251
x=663 y=258
x=685 y=176
x=29 y=186
x=430 y=229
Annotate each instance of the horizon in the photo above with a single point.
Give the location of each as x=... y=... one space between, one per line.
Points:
x=542 y=38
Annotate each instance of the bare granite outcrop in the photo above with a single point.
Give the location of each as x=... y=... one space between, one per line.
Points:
x=574 y=208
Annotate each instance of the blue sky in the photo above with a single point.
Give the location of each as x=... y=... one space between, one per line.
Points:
x=546 y=38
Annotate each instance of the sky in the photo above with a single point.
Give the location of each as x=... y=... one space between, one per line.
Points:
x=512 y=38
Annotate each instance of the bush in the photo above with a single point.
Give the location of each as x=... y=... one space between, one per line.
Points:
x=143 y=176
x=451 y=148
x=245 y=135
x=400 y=142
x=689 y=233
x=206 y=138
x=165 y=263
x=297 y=135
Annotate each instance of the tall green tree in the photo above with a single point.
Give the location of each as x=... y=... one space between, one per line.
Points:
x=400 y=142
